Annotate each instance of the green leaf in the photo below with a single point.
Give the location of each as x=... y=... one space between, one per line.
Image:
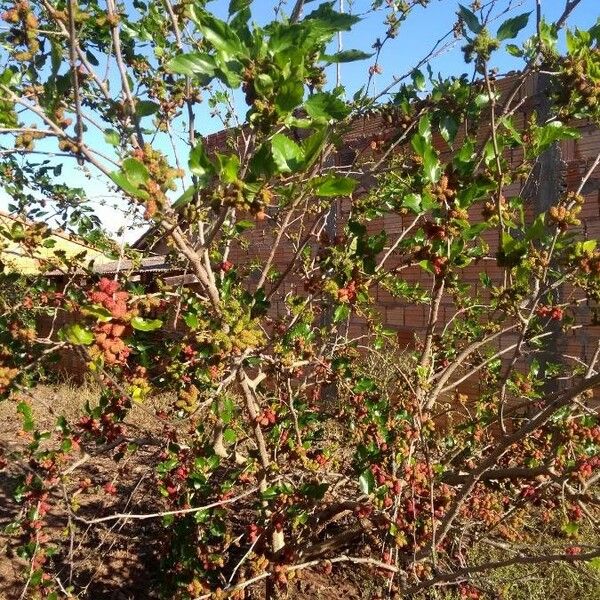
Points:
x=145 y=108
x=288 y=156
x=77 y=335
x=112 y=137
x=418 y=79
x=312 y=146
x=166 y=466
x=571 y=528
x=514 y=50
x=192 y=63
x=135 y=171
x=425 y=127
x=142 y=324
x=262 y=163
x=200 y=165
x=185 y=198
x=341 y=313
x=365 y=384
x=326 y=106
x=553 y=132
x=290 y=95
x=263 y=84
x=229 y=73
x=229 y=436
x=300 y=330
x=191 y=320
x=366 y=482
x=218 y=33
x=97 y=312
x=133 y=174
x=121 y=181
x=515 y=134
x=243 y=225
x=376 y=243
x=327 y=20
x=470 y=19
x=548 y=34
x=25 y=410
x=594 y=563
x=228 y=167
x=225 y=409
x=537 y=229
x=238 y=5
x=413 y=202
x=346 y=56
x=511 y=27
x=589 y=245
x=486 y=280
x=315 y=490
x=334 y=185
x=448 y=128
x=431 y=165
x=93 y=60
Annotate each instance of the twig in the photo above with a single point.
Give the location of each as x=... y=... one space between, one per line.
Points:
x=168 y=513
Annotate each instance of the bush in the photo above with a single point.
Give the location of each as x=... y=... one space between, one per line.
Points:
x=295 y=431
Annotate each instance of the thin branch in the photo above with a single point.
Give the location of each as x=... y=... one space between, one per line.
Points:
x=72 y=9
x=461 y=574
x=297 y=11
x=168 y=513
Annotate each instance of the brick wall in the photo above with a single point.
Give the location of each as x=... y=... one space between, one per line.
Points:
x=409 y=319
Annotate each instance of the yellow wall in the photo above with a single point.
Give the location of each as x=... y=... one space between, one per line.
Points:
x=16 y=258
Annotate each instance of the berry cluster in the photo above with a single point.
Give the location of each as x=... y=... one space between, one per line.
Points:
x=25 y=140
x=108 y=425
x=111 y=297
x=23 y=31
x=6 y=377
x=162 y=177
x=579 y=88
x=109 y=339
x=556 y=313
x=109 y=336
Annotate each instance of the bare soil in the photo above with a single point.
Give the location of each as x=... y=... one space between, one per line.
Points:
x=119 y=561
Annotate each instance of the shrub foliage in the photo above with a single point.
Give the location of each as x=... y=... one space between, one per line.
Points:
x=288 y=443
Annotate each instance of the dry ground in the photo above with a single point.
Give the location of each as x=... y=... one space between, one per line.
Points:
x=118 y=562
x=121 y=562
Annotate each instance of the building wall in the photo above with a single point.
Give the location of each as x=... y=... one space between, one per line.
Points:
x=408 y=319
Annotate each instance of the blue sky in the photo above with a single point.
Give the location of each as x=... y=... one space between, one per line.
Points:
x=416 y=38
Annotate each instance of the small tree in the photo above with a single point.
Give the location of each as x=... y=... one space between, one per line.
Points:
x=283 y=449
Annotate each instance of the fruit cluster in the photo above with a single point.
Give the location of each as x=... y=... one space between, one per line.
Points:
x=22 y=333
x=109 y=340
x=579 y=87
x=24 y=31
x=162 y=177
x=444 y=190
x=187 y=399
x=590 y=263
x=563 y=217
x=25 y=140
x=109 y=296
x=347 y=293
x=556 y=313
x=108 y=425
x=109 y=336
x=6 y=377
x=267 y=417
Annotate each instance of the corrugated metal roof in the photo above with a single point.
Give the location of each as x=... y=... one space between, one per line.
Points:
x=150 y=264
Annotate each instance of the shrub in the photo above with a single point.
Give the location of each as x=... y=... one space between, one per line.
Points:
x=283 y=446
